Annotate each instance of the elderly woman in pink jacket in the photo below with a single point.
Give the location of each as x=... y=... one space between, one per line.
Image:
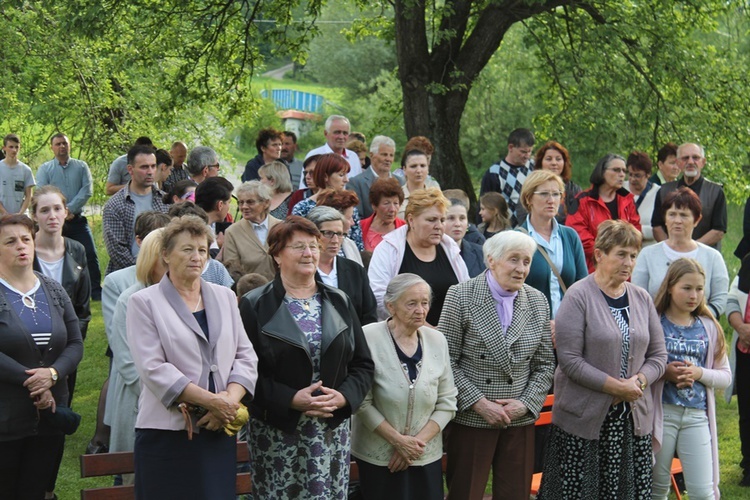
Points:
x=422 y=248
x=195 y=364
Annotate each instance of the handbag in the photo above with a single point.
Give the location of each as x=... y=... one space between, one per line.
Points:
x=549 y=261
x=63 y=419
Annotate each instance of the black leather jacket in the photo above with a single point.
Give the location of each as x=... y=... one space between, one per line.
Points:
x=284 y=363
x=75 y=281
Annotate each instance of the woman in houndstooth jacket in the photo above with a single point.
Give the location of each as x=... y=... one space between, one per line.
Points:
x=498 y=334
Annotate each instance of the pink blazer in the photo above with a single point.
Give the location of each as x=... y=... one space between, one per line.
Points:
x=170 y=350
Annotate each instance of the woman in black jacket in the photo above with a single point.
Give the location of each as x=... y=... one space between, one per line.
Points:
x=339 y=272
x=63 y=260
x=314 y=370
x=40 y=345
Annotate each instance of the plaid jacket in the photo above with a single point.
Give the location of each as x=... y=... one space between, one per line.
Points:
x=118 y=226
x=486 y=363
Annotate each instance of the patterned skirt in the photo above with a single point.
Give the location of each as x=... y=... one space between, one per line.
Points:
x=617 y=465
x=311 y=463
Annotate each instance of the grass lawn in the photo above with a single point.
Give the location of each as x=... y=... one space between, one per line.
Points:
x=93 y=371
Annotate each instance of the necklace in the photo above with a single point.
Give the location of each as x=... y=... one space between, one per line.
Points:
x=305 y=301
x=200 y=298
x=411 y=348
x=28 y=299
x=679 y=323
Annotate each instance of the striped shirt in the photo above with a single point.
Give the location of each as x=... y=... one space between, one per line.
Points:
x=33 y=310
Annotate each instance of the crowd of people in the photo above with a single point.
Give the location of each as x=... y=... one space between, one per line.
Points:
x=350 y=311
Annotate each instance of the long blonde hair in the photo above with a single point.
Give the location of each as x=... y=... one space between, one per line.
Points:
x=663 y=299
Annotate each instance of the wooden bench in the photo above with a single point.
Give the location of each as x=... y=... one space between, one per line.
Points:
x=111 y=464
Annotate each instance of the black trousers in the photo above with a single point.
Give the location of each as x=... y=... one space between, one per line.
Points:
x=78 y=229
x=27 y=465
x=742 y=386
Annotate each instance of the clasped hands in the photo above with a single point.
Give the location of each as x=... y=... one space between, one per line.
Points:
x=405 y=451
x=500 y=412
x=683 y=373
x=222 y=410
x=39 y=384
x=316 y=400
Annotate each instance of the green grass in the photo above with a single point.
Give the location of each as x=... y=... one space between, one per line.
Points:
x=93 y=370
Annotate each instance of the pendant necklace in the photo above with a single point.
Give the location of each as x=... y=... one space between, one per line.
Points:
x=27 y=299
x=305 y=302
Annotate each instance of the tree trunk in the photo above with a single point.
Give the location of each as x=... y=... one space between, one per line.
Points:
x=436 y=80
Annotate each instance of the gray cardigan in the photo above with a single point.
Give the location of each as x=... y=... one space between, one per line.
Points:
x=588 y=350
x=18 y=353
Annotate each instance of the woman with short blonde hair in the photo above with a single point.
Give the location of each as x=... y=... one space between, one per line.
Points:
x=559 y=260
x=422 y=248
x=610 y=352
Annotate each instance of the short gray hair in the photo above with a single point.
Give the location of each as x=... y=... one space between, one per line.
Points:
x=381 y=140
x=399 y=285
x=255 y=188
x=703 y=151
x=278 y=172
x=320 y=215
x=335 y=118
x=505 y=242
x=200 y=157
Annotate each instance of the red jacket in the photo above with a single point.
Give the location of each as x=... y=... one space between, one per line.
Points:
x=592 y=211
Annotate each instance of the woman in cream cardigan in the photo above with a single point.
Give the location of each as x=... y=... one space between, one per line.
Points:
x=397 y=432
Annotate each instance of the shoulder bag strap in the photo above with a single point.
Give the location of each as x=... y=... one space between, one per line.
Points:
x=549 y=261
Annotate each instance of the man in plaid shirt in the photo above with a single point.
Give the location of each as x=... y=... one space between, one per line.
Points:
x=138 y=195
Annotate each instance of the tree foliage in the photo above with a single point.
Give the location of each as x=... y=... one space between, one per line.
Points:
x=634 y=75
x=346 y=55
x=106 y=72
x=597 y=75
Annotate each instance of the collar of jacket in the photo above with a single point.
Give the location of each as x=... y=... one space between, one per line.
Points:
x=283 y=326
x=593 y=192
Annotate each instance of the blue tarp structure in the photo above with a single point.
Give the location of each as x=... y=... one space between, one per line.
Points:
x=295 y=99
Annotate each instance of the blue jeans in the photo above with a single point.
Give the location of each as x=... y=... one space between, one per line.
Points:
x=78 y=229
x=686 y=430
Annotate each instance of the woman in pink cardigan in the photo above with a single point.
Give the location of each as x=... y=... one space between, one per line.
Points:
x=610 y=349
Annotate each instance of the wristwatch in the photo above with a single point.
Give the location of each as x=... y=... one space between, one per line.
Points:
x=642 y=383
x=53 y=372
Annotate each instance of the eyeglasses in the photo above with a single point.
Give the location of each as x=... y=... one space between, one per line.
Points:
x=216 y=166
x=694 y=158
x=300 y=247
x=618 y=170
x=249 y=203
x=330 y=234
x=555 y=195
x=637 y=175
